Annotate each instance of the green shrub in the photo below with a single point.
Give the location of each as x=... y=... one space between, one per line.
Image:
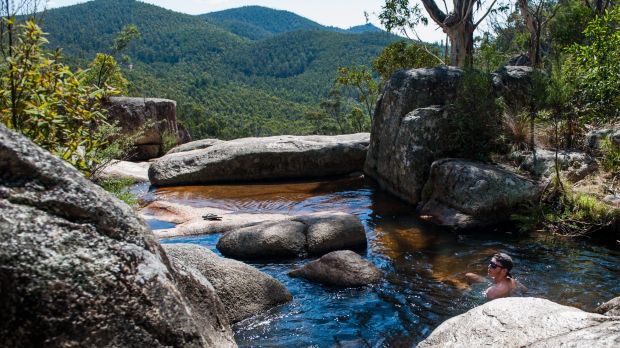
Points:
x=611 y=155
x=120 y=189
x=475 y=123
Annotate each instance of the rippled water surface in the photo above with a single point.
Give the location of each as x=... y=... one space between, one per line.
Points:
x=423 y=267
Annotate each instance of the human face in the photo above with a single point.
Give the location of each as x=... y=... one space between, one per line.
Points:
x=495 y=268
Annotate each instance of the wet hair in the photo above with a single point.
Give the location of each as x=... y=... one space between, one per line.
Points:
x=505 y=261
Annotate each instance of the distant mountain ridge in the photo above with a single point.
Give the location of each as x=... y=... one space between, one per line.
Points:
x=219 y=74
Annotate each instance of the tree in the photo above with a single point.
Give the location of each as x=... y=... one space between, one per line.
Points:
x=361 y=80
x=41 y=98
x=104 y=67
x=458 y=24
x=400 y=55
x=536 y=14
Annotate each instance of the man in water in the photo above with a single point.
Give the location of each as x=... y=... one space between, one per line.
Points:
x=499 y=271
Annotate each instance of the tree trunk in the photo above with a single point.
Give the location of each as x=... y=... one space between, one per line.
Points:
x=461 y=44
x=532 y=23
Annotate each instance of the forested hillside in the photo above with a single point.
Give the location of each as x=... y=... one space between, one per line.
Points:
x=227 y=83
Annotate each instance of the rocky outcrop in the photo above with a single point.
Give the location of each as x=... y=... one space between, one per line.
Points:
x=526 y=322
x=611 y=307
x=278 y=157
x=78 y=268
x=409 y=129
x=465 y=194
x=594 y=138
x=244 y=290
x=195 y=145
x=132 y=114
x=310 y=234
x=136 y=171
x=340 y=268
x=575 y=165
x=514 y=84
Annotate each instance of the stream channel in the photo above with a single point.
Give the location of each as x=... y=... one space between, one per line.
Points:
x=423 y=266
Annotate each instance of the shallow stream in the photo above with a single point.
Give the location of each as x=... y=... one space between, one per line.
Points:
x=423 y=265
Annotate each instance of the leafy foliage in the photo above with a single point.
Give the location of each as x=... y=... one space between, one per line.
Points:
x=44 y=100
x=475 y=122
x=598 y=66
x=360 y=79
x=402 y=55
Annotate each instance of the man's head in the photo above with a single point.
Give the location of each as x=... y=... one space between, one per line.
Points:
x=500 y=265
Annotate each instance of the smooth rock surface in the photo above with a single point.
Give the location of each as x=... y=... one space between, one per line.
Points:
x=526 y=322
x=466 y=194
x=278 y=157
x=409 y=129
x=317 y=233
x=340 y=268
x=265 y=240
x=195 y=145
x=79 y=268
x=611 y=307
x=136 y=171
x=328 y=231
x=244 y=290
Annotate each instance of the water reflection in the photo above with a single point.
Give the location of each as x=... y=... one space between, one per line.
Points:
x=424 y=267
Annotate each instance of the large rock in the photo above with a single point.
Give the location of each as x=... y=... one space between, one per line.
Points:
x=514 y=84
x=138 y=172
x=78 y=268
x=465 y=194
x=317 y=233
x=409 y=129
x=271 y=239
x=611 y=307
x=278 y=157
x=327 y=231
x=195 y=145
x=244 y=290
x=133 y=113
x=526 y=322
x=340 y=268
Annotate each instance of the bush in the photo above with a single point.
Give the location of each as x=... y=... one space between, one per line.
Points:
x=120 y=189
x=475 y=124
x=611 y=156
x=45 y=101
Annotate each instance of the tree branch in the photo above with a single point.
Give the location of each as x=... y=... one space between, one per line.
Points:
x=485 y=14
x=436 y=14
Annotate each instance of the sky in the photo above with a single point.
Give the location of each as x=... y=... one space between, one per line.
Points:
x=338 y=13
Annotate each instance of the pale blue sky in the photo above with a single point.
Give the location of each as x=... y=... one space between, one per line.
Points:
x=338 y=13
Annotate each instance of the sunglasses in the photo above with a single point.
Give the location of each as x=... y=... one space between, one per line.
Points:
x=495 y=265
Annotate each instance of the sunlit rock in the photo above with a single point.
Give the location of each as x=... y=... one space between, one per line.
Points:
x=340 y=268
x=243 y=289
x=526 y=322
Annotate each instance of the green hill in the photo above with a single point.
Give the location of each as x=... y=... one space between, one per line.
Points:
x=256 y=22
x=226 y=85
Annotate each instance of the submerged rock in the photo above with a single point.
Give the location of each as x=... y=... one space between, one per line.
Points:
x=78 y=268
x=526 y=322
x=302 y=235
x=244 y=290
x=277 y=157
x=340 y=268
x=465 y=194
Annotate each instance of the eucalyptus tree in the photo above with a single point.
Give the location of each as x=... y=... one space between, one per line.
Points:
x=536 y=14
x=457 y=21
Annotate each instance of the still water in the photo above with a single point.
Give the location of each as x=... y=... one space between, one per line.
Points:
x=423 y=266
